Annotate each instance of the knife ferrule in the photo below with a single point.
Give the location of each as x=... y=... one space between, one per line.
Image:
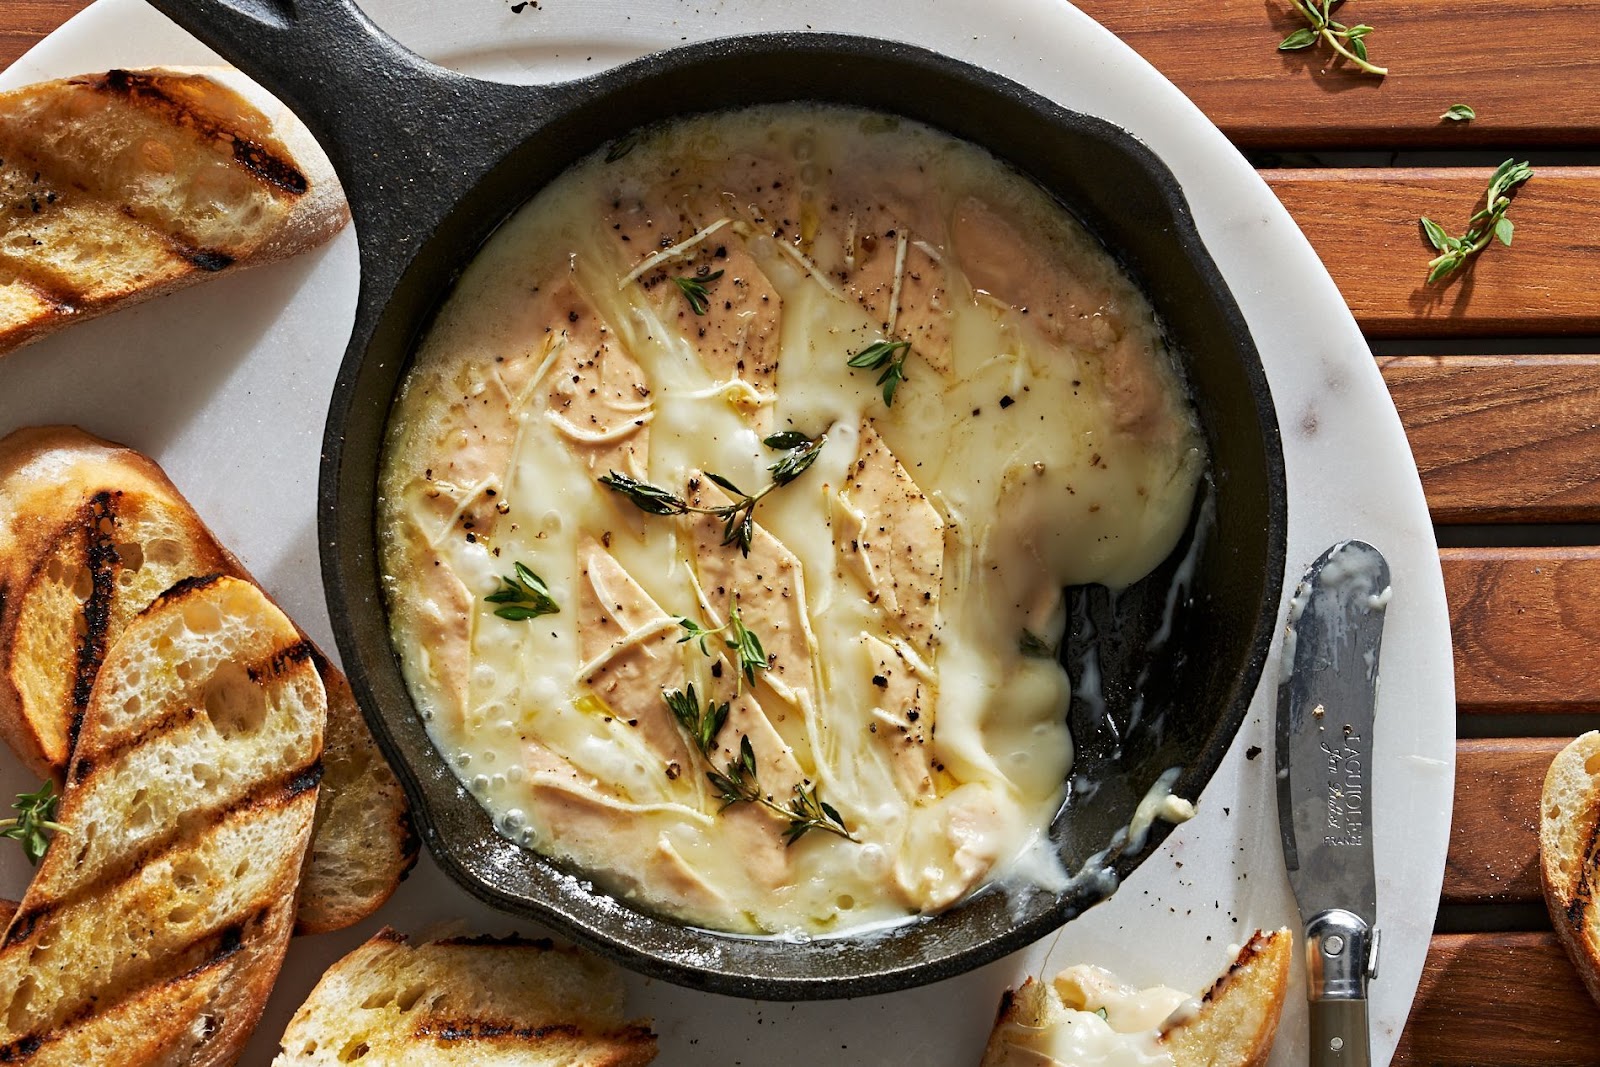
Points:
x=1339 y=946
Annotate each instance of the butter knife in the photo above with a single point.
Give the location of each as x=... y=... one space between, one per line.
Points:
x=1324 y=762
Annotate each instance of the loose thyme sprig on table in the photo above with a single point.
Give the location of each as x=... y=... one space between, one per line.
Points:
x=523 y=596
x=35 y=819
x=891 y=357
x=741 y=783
x=694 y=290
x=738 y=517
x=740 y=639
x=1490 y=222
x=1348 y=41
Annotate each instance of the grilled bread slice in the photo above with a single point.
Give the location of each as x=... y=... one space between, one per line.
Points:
x=155 y=925
x=1232 y=1024
x=1569 y=853
x=465 y=1001
x=120 y=186
x=90 y=533
x=1237 y=1020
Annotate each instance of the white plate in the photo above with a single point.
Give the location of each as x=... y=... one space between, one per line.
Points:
x=226 y=386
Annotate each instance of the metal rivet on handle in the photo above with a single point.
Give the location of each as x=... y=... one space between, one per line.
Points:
x=1336 y=1043
x=1332 y=945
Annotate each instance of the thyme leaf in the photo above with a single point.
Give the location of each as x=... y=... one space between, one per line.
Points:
x=737 y=637
x=1348 y=41
x=741 y=783
x=1489 y=223
x=694 y=290
x=702 y=726
x=738 y=516
x=801 y=452
x=648 y=498
x=34 y=821
x=889 y=357
x=523 y=595
x=1459 y=113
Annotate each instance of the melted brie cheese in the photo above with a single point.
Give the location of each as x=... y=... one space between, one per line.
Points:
x=1096 y=1021
x=1040 y=439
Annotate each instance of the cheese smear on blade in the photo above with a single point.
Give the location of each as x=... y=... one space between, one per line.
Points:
x=659 y=316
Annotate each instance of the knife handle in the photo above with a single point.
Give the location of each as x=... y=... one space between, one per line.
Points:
x=1341 y=954
x=1339 y=1034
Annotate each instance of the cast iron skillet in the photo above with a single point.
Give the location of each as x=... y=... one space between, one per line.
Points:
x=432 y=162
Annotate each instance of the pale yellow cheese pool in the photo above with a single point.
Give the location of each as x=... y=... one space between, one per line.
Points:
x=658 y=316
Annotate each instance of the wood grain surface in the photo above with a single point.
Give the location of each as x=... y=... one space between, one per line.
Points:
x=1526 y=623
x=1530 y=69
x=1363 y=223
x=1502 y=438
x=1494 y=829
x=24 y=22
x=1500 y=1000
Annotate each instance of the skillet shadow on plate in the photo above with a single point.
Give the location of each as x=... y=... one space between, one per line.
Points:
x=142 y=375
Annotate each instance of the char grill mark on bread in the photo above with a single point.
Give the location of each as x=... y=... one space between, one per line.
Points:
x=119 y=186
x=145 y=88
x=183 y=848
x=1569 y=853
x=72 y=506
x=483 y=1001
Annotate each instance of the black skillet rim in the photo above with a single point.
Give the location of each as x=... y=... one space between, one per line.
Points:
x=603 y=932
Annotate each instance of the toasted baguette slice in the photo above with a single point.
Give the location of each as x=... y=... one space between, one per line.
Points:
x=1233 y=1024
x=121 y=186
x=466 y=1001
x=91 y=533
x=156 y=923
x=1237 y=1020
x=1569 y=853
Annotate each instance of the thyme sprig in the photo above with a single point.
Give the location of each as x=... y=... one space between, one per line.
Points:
x=1490 y=222
x=694 y=289
x=741 y=783
x=1348 y=41
x=34 y=821
x=738 y=516
x=737 y=637
x=701 y=726
x=522 y=596
x=888 y=356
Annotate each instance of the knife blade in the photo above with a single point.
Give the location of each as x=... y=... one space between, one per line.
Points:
x=1326 y=704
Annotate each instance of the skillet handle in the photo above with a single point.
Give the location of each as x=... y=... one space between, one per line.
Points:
x=407 y=137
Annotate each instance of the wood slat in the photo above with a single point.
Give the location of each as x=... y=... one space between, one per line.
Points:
x=1502 y=438
x=24 y=22
x=1510 y=1000
x=1494 y=830
x=1363 y=223
x=1526 y=624
x=1530 y=70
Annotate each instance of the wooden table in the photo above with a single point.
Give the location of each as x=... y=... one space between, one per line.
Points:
x=1496 y=377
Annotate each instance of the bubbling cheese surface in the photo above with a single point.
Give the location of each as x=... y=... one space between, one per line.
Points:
x=1040 y=439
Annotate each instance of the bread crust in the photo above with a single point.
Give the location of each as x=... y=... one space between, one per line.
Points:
x=1569 y=853
x=71 y=502
x=162 y=177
